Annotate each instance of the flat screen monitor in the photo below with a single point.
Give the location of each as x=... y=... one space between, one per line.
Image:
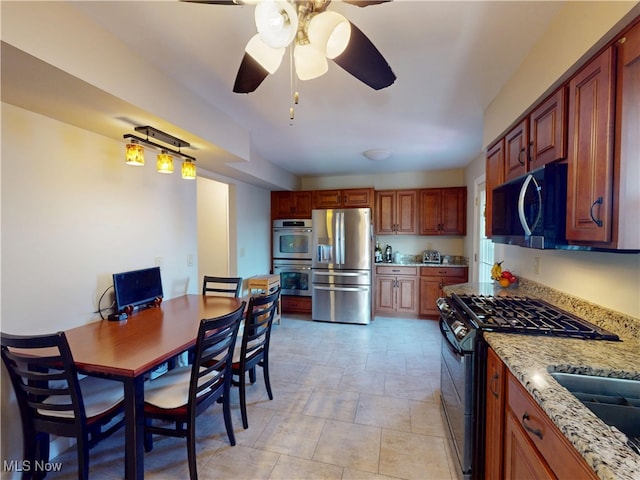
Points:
x=137 y=287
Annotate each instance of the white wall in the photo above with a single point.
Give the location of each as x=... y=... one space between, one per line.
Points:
x=213 y=229
x=73 y=214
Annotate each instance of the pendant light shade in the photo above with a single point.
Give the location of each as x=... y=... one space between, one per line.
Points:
x=134 y=154
x=310 y=62
x=188 y=170
x=277 y=22
x=269 y=58
x=330 y=33
x=164 y=163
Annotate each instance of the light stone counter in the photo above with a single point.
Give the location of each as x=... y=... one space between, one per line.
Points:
x=531 y=357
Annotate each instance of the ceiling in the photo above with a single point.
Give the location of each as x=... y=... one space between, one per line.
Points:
x=451 y=58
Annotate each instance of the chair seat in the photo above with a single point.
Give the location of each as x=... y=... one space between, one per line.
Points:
x=99 y=395
x=171 y=390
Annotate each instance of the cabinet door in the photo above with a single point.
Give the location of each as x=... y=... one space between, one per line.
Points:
x=385 y=294
x=494 y=416
x=522 y=460
x=453 y=217
x=590 y=154
x=327 y=198
x=357 y=198
x=385 y=212
x=281 y=205
x=407 y=295
x=302 y=204
x=430 y=288
x=516 y=150
x=407 y=212
x=547 y=131
x=494 y=177
x=430 y=208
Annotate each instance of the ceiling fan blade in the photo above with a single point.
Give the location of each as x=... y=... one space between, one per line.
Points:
x=365 y=62
x=250 y=75
x=365 y=3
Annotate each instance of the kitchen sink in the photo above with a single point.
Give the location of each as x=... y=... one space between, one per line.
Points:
x=616 y=401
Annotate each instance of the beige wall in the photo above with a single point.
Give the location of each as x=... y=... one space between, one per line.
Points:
x=608 y=279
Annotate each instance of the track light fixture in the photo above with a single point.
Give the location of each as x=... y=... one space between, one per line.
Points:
x=134 y=151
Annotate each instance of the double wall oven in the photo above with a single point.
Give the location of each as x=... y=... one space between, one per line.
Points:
x=463 y=318
x=292 y=244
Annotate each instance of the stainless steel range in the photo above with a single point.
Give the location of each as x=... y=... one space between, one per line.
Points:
x=463 y=318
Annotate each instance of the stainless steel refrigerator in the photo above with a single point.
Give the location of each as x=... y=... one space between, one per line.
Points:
x=341 y=274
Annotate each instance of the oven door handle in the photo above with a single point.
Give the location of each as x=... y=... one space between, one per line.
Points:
x=445 y=334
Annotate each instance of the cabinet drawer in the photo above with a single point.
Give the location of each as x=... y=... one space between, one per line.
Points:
x=443 y=272
x=561 y=456
x=391 y=270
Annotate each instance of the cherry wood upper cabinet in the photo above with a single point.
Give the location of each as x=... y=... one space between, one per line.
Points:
x=516 y=147
x=349 y=198
x=626 y=205
x=548 y=130
x=494 y=177
x=443 y=211
x=396 y=212
x=590 y=153
x=291 y=204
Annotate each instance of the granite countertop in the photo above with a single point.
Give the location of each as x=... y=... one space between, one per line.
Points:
x=531 y=357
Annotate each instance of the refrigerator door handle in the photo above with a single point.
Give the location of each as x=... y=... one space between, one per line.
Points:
x=342 y=289
x=340 y=274
x=341 y=243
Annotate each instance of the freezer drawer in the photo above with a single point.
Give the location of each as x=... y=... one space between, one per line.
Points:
x=341 y=303
x=341 y=277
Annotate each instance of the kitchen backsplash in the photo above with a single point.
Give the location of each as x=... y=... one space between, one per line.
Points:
x=408 y=258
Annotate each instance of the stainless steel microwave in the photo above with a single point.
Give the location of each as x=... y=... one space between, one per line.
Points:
x=530 y=211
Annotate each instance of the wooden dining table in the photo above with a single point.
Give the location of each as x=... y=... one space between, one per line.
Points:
x=128 y=350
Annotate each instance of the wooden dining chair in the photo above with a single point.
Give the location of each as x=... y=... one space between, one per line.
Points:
x=252 y=349
x=53 y=400
x=183 y=393
x=229 y=286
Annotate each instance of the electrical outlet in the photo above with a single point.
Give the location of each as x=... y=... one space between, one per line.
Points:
x=536 y=265
x=189 y=260
x=158 y=261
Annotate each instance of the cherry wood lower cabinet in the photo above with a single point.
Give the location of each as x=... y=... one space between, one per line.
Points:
x=295 y=304
x=433 y=280
x=494 y=419
x=396 y=289
x=533 y=446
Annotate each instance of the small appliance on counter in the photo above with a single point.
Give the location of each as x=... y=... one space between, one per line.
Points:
x=388 y=254
x=431 y=256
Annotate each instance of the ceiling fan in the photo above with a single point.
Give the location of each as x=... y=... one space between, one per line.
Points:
x=315 y=34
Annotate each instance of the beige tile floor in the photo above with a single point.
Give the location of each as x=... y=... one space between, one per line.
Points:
x=350 y=402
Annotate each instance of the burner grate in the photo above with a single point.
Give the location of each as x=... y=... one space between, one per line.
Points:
x=527 y=315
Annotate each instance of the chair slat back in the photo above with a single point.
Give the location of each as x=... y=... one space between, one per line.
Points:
x=257 y=329
x=38 y=375
x=226 y=285
x=213 y=353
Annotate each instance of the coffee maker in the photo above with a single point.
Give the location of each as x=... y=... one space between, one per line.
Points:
x=388 y=254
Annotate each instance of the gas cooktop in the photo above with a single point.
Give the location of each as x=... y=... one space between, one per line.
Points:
x=527 y=315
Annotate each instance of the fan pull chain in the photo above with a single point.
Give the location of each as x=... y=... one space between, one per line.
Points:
x=291 y=88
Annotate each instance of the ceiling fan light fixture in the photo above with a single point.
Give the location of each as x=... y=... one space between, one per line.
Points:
x=309 y=61
x=277 y=22
x=269 y=58
x=330 y=32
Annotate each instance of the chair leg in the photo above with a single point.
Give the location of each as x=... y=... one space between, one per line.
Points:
x=243 y=400
x=83 y=457
x=148 y=436
x=191 y=450
x=267 y=381
x=252 y=374
x=228 y=423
